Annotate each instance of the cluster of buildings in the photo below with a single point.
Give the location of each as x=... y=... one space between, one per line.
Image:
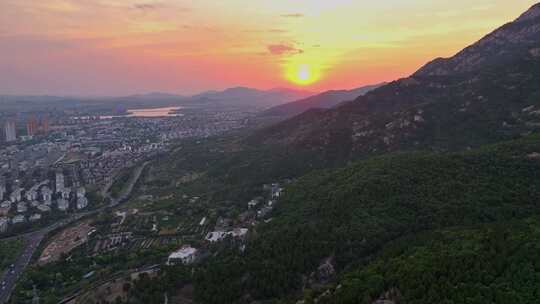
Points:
x=92 y=149
x=49 y=169
x=33 y=127
x=261 y=207
x=22 y=205
x=258 y=209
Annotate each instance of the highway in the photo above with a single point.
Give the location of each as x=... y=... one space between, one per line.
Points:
x=33 y=239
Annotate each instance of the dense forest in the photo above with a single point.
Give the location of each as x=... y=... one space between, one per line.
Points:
x=349 y=216
x=492 y=263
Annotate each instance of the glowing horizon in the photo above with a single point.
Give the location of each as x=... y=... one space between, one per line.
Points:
x=118 y=47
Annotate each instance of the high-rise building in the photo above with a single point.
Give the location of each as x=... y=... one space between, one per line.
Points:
x=31 y=127
x=46 y=195
x=4 y=222
x=3 y=189
x=45 y=125
x=59 y=182
x=82 y=202
x=62 y=204
x=11 y=133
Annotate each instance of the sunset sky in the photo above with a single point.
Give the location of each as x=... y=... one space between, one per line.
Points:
x=115 y=47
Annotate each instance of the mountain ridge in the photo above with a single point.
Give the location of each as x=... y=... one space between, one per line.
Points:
x=327 y=99
x=445 y=105
x=252 y=97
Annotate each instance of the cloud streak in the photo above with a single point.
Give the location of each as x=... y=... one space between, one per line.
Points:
x=278 y=31
x=283 y=49
x=146 y=6
x=294 y=15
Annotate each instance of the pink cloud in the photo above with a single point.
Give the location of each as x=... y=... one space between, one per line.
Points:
x=283 y=49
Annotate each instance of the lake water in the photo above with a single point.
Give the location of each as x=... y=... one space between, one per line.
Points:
x=151 y=112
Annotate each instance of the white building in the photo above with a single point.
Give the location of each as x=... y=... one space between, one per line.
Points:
x=46 y=195
x=253 y=203
x=3 y=189
x=4 y=223
x=44 y=208
x=65 y=193
x=59 y=182
x=62 y=204
x=239 y=232
x=18 y=219
x=185 y=255
x=81 y=192
x=216 y=236
x=82 y=202
x=35 y=217
x=10 y=131
x=31 y=195
x=276 y=191
x=21 y=207
x=16 y=196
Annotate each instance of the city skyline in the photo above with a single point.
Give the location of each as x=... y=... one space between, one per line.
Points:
x=58 y=47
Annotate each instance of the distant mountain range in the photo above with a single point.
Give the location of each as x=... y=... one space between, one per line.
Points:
x=157 y=95
x=242 y=96
x=488 y=92
x=323 y=100
x=235 y=97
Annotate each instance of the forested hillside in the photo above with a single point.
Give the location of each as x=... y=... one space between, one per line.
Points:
x=491 y=263
x=349 y=216
x=323 y=100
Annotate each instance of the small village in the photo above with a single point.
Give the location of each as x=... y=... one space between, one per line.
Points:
x=133 y=229
x=129 y=229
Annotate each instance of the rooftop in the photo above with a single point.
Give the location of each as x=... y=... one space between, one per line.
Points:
x=183 y=252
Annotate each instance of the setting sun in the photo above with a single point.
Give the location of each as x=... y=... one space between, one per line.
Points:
x=303 y=74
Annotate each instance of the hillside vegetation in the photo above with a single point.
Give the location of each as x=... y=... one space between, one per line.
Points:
x=349 y=215
x=492 y=263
